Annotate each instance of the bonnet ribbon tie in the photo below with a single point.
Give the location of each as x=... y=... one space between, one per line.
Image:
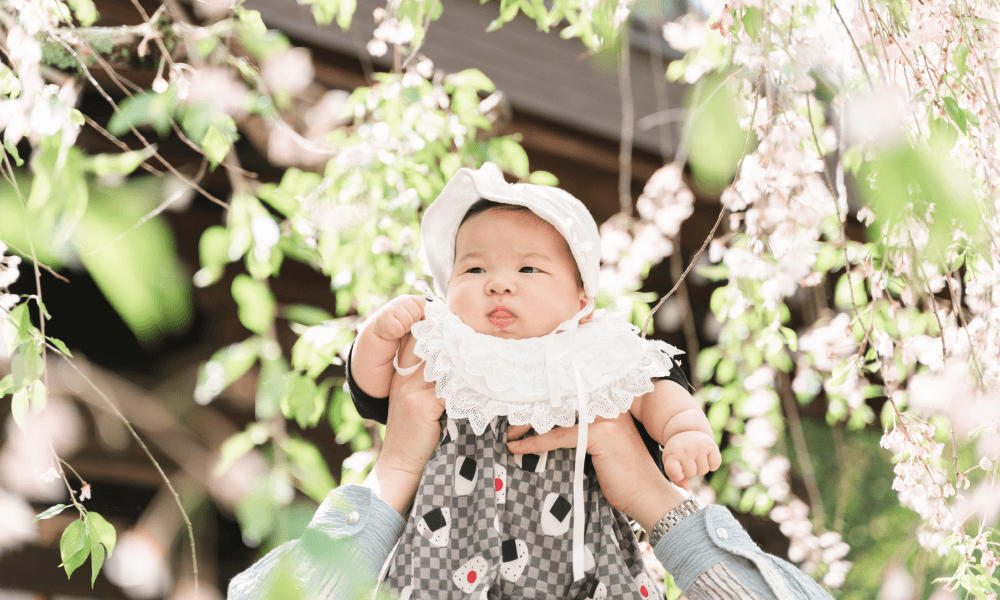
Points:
x=578 y=500
x=581 y=439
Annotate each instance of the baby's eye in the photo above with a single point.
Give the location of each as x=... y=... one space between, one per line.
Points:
x=530 y=270
x=475 y=270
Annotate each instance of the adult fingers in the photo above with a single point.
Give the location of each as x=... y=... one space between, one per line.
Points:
x=560 y=437
x=516 y=432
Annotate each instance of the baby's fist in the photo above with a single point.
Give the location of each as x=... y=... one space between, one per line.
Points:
x=397 y=316
x=690 y=454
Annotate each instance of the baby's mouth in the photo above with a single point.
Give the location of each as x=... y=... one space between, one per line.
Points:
x=500 y=317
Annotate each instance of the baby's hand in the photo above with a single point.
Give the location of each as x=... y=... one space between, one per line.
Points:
x=690 y=454
x=394 y=319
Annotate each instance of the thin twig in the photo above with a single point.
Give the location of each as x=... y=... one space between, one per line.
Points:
x=628 y=126
x=149 y=455
x=802 y=456
x=711 y=234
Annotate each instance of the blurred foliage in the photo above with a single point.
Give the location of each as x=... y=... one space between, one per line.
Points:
x=350 y=213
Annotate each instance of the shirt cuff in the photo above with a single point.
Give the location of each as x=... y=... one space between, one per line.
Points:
x=355 y=512
x=700 y=541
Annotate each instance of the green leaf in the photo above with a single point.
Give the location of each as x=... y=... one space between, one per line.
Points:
x=302 y=401
x=51 y=511
x=216 y=144
x=717 y=141
x=509 y=154
x=270 y=387
x=842 y=295
x=85 y=11
x=961 y=57
x=101 y=531
x=232 y=449
x=309 y=468
x=213 y=249
x=96 y=560
x=6 y=385
x=956 y=113
x=226 y=366
x=255 y=303
x=146 y=108
x=469 y=78
x=121 y=163
x=20 y=403
x=305 y=314
x=58 y=343
x=543 y=178
x=74 y=546
x=136 y=267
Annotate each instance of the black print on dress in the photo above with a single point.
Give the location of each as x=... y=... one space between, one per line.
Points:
x=467 y=575
x=465 y=476
x=597 y=591
x=555 y=515
x=531 y=462
x=515 y=557
x=435 y=526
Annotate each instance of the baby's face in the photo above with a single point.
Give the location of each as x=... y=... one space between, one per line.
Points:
x=513 y=276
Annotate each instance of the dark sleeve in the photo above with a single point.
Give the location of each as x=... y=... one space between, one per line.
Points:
x=376 y=409
x=676 y=375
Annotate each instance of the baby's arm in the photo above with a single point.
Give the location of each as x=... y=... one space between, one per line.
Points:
x=380 y=336
x=674 y=419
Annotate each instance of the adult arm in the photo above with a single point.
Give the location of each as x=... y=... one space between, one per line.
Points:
x=352 y=532
x=709 y=554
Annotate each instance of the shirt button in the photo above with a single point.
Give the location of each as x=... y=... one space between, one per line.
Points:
x=722 y=533
x=353 y=517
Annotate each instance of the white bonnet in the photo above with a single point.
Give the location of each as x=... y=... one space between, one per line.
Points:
x=560 y=208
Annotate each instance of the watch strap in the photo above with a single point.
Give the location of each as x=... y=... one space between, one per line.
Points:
x=672 y=518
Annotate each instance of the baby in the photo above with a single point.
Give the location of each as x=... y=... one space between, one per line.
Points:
x=516 y=342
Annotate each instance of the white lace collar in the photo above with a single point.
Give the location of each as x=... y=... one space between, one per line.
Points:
x=534 y=380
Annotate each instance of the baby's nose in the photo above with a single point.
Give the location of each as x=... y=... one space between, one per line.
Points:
x=499 y=285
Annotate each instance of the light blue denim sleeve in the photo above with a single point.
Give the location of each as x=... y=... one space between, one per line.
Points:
x=339 y=555
x=711 y=557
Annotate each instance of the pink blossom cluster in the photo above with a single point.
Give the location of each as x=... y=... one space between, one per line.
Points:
x=630 y=245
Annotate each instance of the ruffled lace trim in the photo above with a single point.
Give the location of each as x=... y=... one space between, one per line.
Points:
x=531 y=381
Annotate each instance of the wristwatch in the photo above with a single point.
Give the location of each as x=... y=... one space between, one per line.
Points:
x=667 y=522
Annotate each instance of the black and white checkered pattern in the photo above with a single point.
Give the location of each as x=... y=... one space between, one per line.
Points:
x=430 y=571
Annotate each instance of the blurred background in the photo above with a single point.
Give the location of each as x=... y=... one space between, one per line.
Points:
x=202 y=199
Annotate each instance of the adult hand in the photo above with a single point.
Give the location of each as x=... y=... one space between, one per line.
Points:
x=412 y=431
x=629 y=478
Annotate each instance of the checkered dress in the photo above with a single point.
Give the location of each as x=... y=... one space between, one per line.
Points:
x=487 y=524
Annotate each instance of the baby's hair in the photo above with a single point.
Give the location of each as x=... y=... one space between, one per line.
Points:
x=483 y=205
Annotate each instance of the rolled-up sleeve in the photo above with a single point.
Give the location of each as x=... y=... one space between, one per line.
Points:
x=339 y=555
x=711 y=557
